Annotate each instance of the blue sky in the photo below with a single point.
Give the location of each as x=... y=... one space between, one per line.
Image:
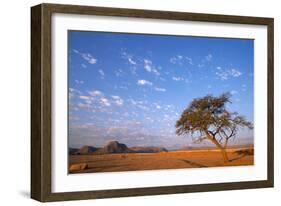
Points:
x=133 y=87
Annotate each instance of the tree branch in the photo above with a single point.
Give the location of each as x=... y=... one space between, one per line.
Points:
x=199 y=139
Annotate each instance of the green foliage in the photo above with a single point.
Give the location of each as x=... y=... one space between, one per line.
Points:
x=209 y=117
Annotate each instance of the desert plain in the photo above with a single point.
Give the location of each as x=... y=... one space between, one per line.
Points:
x=192 y=158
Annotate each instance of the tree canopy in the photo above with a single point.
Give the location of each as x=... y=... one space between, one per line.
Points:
x=208 y=118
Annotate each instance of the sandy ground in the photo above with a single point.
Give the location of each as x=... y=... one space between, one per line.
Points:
x=154 y=161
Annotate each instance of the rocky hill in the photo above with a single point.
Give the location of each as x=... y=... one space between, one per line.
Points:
x=72 y=151
x=87 y=150
x=148 y=149
x=114 y=147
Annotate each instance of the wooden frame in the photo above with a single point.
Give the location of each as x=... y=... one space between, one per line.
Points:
x=41 y=102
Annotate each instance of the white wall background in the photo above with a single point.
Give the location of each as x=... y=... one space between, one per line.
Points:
x=15 y=102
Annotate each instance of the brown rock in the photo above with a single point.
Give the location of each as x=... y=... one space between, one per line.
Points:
x=78 y=167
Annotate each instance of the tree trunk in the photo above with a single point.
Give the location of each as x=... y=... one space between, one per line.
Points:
x=224 y=155
x=223 y=152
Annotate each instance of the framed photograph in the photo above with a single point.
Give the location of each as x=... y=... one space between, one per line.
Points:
x=130 y=102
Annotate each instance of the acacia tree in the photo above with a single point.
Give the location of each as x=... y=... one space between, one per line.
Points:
x=207 y=118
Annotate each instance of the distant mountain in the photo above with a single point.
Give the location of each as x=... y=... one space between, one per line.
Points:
x=72 y=151
x=87 y=150
x=114 y=147
x=185 y=148
x=148 y=149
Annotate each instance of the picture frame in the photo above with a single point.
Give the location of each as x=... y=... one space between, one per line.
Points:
x=42 y=92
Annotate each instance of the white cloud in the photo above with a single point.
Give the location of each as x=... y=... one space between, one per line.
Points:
x=88 y=101
x=118 y=100
x=74 y=92
x=129 y=58
x=105 y=102
x=115 y=97
x=143 y=107
x=227 y=73
x=123 y=87
x=139 y=104
x=189 y=60
x=205 y=60
x=86 y=56
x=83 y=106
x=157 y=106
x=181 y=60
x=84 y=66
x=79 y=81
x=101 y=72
x=76 y=51
x=222 y=75
x=118 y=72
x=233 y=92
x=149 y=67
x=95 y=93
x=132 y=61
x=209 y=57
x=177 y=78
x=143 y=82
x=187 y=81
x=89 y=58
x=84 y=97
x=149 y=119
x=235 y=73
x=160 y=89
x=133 y=102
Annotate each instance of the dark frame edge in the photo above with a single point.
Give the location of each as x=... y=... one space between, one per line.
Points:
x=41 y=102
x=36 y=58
x=157 y=14
x=164 y=190
x=270 y=101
